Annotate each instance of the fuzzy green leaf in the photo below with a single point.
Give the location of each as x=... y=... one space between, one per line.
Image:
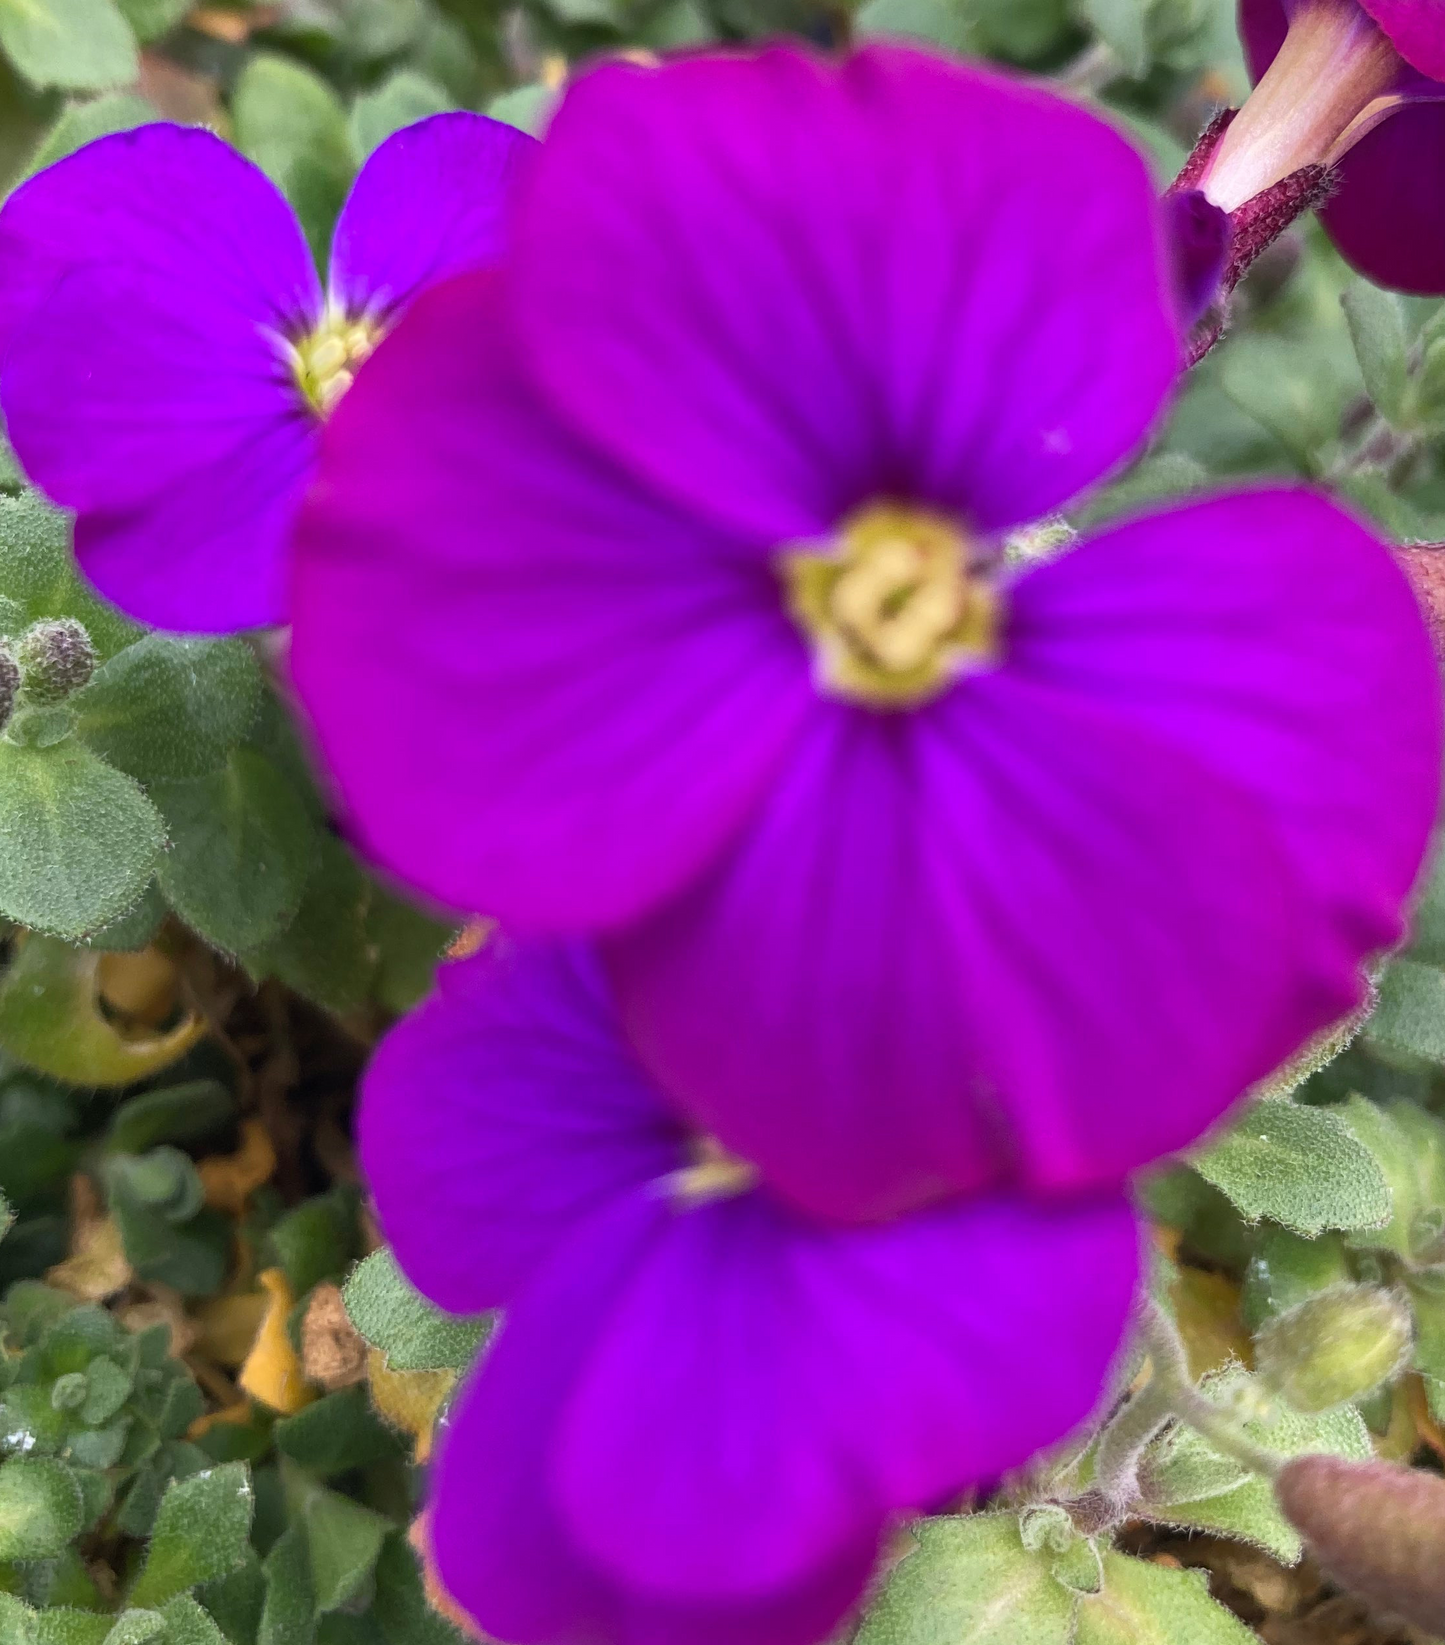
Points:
x=201 y=1533
x=288 y=1615
x=38 y=576
x=1301 y=1167
x=83 y=122
x=325 y=953
x=1147 y=1604
x=394 y=1316
x=79 y=841
x=243 y=846
x=1377 y=329
x=166 y=709
x=399 y=101
x=41 y=1507
x=17 y=1621
x=971 y=1581
x=77 y=45
x=1410 y=1017
x=343 y=1539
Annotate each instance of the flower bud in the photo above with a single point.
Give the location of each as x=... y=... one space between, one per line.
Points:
x=1376 y=1528
x=1334 y=1347
x=9 y=683
x=56 y=658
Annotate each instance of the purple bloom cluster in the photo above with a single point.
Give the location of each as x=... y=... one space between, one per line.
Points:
x=874 y=902
x=168 y=351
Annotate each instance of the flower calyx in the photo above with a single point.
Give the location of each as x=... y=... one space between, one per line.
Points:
x=55 y=659
x=896 y=611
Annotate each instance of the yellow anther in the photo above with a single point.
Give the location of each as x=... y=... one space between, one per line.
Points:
x=714 y=1174
x=896 y=612
x=325 y=360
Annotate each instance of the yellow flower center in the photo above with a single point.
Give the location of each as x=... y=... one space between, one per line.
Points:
x=714 y=1174
x=325 y=360
x=895 y=613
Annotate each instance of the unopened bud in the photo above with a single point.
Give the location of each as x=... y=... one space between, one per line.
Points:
x=56 y=658
x=1376 y=1528
x=9 y=684
x=1334 y=1347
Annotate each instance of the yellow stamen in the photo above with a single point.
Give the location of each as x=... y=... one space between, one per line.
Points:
x=896 y=613
x=324 y=361
x=715 y=1174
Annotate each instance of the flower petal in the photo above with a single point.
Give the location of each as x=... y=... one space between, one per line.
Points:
x=776 y=285
x=171 y=202
x=428 y=204
x=766 y=1391
x=208 y=554
x=1416 y=29
x=499 y=1115
x=1279 y=641
x=500 y=1546
x=543 y=693
x=972 y=946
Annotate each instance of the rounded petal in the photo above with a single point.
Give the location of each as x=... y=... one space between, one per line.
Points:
x=1416 y=29
x=767 y=1391
x=146 y=283
x=1386 y=215
x=543 y=693
x=501 y=1547
x=170 y=202
x=775 y=285
x=973 y=946
x=208 y=553
x=428 y=204
x=1279 y=641
x=501 y=1114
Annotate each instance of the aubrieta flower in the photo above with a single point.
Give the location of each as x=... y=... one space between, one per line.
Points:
x=703 y=1413
x=651 y=588
x=1351 y=102
x=167 y=353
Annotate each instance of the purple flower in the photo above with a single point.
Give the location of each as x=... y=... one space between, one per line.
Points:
x=167 y=353
x=651 y=588
x=1360 y=87
x=702 y=1414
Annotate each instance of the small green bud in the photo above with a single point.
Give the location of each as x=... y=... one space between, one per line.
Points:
x=1336 y=1346
x=1376 y=1528
x=9 y=683
x=68 y=1393
x=56 y=658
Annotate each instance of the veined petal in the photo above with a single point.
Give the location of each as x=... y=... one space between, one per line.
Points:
x=501 y=1114
x=766 y=1391
x=502 y=1548
x=1416 y=29
x=428 y=204
x=543 y=693
x=774 y=286
x=972 y=946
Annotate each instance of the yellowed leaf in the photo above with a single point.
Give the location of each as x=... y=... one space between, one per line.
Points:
x=230 y=1179
x=227 y=1327
x=408 y=1400
x=272 y=1372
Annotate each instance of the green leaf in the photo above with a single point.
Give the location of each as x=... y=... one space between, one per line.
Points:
x=317 y=1239
x=150 y=19
x=82 y=123
x=325 y=953
x=243 y=845
x=80 y=840
x=78 y=45
x=1303 y=1168
x=201 y=1533
x=401 y=1605
x=1122 y=24
x=41 y=1507
x=399 y=101
x=941 y=22
x=133 y=1627
x=290 y=122
x=1377 y=329
x=186 y=1623
x=1285 y=1269
x=335 y=1434
x=343 y=1539
x=17 y=1621
x=1247 y=1511
x=1394 y=1155
x=409 y=947
x=37 y=574
x=970 y=1581
x=1147 y=1604
x=67 y=1627
x=394 y=1316
x=529 y=108
x=174 y=1113
x=167 y=709
x=1410 y=1016
x=288 y=1616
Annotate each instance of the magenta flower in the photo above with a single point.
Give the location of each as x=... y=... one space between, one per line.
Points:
x=1358 y=87
x=167 y=353
x=703 y=1414
x=651 y=588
